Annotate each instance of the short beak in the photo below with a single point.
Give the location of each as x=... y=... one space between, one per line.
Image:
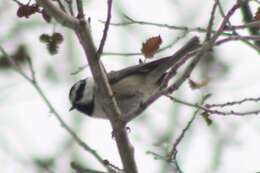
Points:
x=71 y=108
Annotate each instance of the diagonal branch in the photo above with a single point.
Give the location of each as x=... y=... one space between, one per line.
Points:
x=211 y=20
x=32 y=80
x=248 y=17
x=173 y=153
x=202 y=53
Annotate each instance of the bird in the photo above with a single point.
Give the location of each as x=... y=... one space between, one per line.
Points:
x=131 y=86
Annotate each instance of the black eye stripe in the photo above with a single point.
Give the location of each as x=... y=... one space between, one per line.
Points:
x=80 y=90
x=72 y=89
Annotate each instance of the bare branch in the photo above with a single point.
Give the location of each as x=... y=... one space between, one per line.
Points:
x=201 y=54
x=80 y=9
x=211 y=20
x=238 y=37
x=231 y=103
x=254 y=24
x=173 y=153
x=63 y=18
x=187 y=29
x=109 y=102
x=176 y=66
x=248 y=17
x=169 y=45
x=104 y=36
x=234 y=28
x=224 y=22
x=216 y=112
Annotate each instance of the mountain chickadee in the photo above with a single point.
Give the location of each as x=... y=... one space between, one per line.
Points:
x=131 y=86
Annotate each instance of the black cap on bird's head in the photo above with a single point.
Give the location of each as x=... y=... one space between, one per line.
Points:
x=76 y=92
x=82 y=97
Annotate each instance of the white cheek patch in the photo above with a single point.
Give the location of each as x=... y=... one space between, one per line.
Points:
x=88 y=93
x=74 y=92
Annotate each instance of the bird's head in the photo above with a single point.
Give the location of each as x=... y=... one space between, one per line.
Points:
x=81 y=96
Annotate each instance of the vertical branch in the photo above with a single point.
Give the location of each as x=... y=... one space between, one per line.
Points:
x=104 y=36
x=108 y=102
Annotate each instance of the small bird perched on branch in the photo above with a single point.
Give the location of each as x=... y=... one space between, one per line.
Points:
x=131 y=85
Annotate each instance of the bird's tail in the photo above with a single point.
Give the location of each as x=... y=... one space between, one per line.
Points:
x=168 y=62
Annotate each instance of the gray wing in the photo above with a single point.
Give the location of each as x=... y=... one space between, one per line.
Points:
x=155 y=67
x=115 y=76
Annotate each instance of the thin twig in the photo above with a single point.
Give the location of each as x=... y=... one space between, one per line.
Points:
x=208 y=44
x=224 y=22
x=182 y=28
x=221 y=10
x=175 y=67
x=248 y=17
x=232 y=103
x=216 y=112
x=254 y=24
x=211 y=20
x=80 y=9
x=234 y=28
x=235 y=38
x=169 y=45
x=173 y=152
x=105 y=32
